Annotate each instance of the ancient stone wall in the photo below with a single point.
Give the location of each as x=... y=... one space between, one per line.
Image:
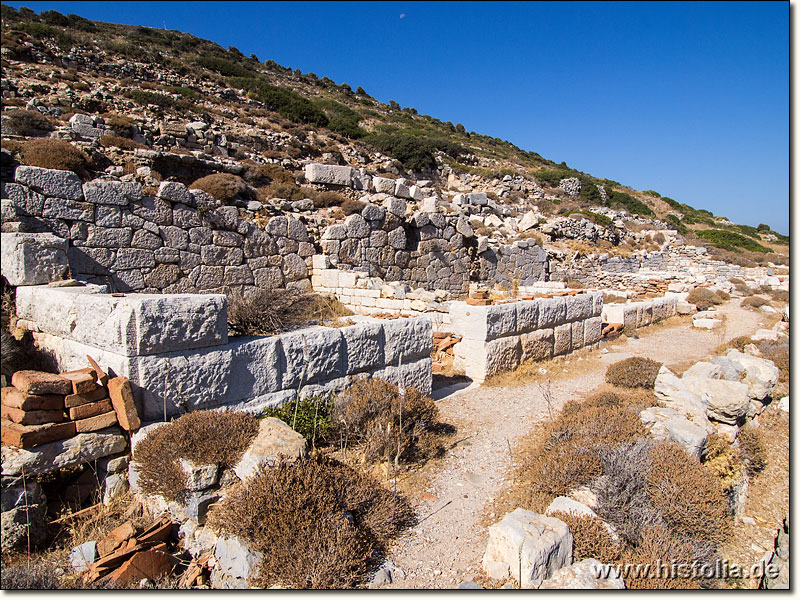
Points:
x=177 y=241
x=175 y=350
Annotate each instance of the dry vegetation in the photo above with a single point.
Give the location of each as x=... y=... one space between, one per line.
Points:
x=319 y=523
x=55 y=154
x=634 y=372
x=203 y=437
x=224 y=187
x=704 y=298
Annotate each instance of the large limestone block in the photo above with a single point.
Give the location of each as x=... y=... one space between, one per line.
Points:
x=614 y=313
x=568 y=505
x=527 y=316
x=470 y=356
x=330 y=174
x=577 y=337
x=119 y=193
x=363 y=347
x=178 y=382
x=592 y=331
x=33 y=258
x=50 y=182
x=725 y=401
x=503 y=354
x=255 y=367
x=257 y=405
x=588 y=574
x=674 y=393
x=597 y=303
x=552 y=312
x=669 y=424
x=407 y=339
x=274 y=441
x=80 y=449
x=760 y=375
x=704 y=369
x=527 y=546
x=311 y=354
x=501 y=320
x=417 y=374
x=383 y=185
x=537 y=345
x=562 y=339
x=579 y=307
x=132 y=325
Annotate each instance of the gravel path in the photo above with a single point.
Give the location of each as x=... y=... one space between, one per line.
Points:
x=447 y=546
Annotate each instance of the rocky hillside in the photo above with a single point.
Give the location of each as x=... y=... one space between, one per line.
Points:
x=150 y=105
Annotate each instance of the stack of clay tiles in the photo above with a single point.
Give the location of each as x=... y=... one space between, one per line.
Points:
x=40 y=407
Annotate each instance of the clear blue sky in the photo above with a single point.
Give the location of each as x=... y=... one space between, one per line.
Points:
x=689 y=99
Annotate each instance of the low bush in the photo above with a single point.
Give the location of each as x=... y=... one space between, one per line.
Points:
x=55 y=154
x=225 y=67
x=660 y=546
x=629 y=203
x=352 y=207
x=753 y=449
x=634 y=372
x=779 y=295
x=257 y=174
x=319 y=523
x=730 y=240
x=386 y=425
x=121 y=125
x=266 y=312
x=329 y=199
x=225 y=187
x=689 y=498
x=310 y=417
x=415 y=152
x=754 y=302
x=203 y=437
x=778 y=353
x=590 y=537
x=723 y=461
x=704 y=298
x=28 y=123
x=120 y=142
x=144 y=97
x=574 y=284
x=285 y=101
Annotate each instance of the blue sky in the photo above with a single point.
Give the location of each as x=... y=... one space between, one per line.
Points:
x=689 y=99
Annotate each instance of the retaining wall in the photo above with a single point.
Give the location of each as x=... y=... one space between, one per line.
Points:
x=500 y=337
x=175 y=350
x=640 y=314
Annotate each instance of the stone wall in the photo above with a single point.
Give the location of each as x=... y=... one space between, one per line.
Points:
x=640 y=314
x=175 y=350
x=178 y=241
x=500 y=337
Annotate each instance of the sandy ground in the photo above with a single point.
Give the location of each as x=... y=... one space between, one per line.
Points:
x=446 y=547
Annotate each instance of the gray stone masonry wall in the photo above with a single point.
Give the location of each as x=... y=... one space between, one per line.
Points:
x=175 y=350
x=500 y=337
x=179 y=241
x=640 y=314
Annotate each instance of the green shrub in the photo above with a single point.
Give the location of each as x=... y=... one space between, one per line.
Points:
x=633 y=372
x=188 y=93
x=341 y=119
x=40 y=30
x=284 y=101
x=629 y=203
x=414 y=152
x=730 y=240
x=597 y=218
x=144 y=97
x=310 y=417
x=675 y=221
x=225 y=67
x=652 y=193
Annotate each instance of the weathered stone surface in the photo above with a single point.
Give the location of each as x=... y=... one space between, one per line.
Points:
x=83 y=448
x=363 y=346
x=275 y=441
x=503 y=354
x=528 y=546
x=81 y=557
x=330 y=174
x=552 y=312
x=760 y=375
x=527 y=315
x=669 y=424
x=221 y=256
x=357 y=227
x=568 y=505
x=725 y=401
x=112 y=192
x=674 y=393
x=155 y=210
x=50 y=182
x=24 y=200
x=704 y=369
x=417 y=374
x=562 y=342
x=578 y=307
x=23 y=527
x=255 y=367
x=236 y=561
x=537 y=345
x=33 y=258
x=585 y=575
x=397 y=238
x=407 y=339
x=199 y=477
x=592 y=331
x=174 y=192
x=310 y=355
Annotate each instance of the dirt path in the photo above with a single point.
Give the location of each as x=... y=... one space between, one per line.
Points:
x=447 y=546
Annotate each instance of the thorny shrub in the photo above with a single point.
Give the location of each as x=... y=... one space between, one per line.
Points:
x=689 y=498
x=591 y=538
x=633 y=372
x=55 y=154
x=753 y=449
x=28 y=123
x=723 y=461
x=704 y=298
x=266 y=311
x=225 y=187
x=778 y=353
x=203 y=437
x=319 y=523
x=384 y=424
x=659 y=544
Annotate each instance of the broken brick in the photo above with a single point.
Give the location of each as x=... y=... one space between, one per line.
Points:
x=119 y=388
x=151 y=564
x=15 y=398
x=102 y=376
x=30 y=436
x=39 y=382
x=96 y=423
x=115 y=538
x=92 y=409
x=31 y=417
x=74 y=400
x=83 y=380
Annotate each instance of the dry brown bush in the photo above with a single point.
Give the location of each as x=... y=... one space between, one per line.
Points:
x=590 y=537
x=704 y=298
x=266 y=312
x=753 y=449
x=257 y=174
x=224 y=187
x=203 y=437
x=574 y=284
x=27 y=123
x=722 y=460
x=778 y=353
x=319 y=523
x=661 y=546
x=754 y=302
x=55 y=154
x=779 y=295
x=633 y=372
x=737 y=343
x=613 y=299
x=120 y=142
x=121 y=125
x=690 y=499
x=328 y=199
x=352 y=207
x=384 y=425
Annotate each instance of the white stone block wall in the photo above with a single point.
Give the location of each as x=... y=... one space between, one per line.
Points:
x=640 y=314
x=174 y=349
x=500 y=337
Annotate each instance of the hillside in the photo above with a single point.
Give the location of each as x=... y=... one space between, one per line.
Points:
x=143 y=86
